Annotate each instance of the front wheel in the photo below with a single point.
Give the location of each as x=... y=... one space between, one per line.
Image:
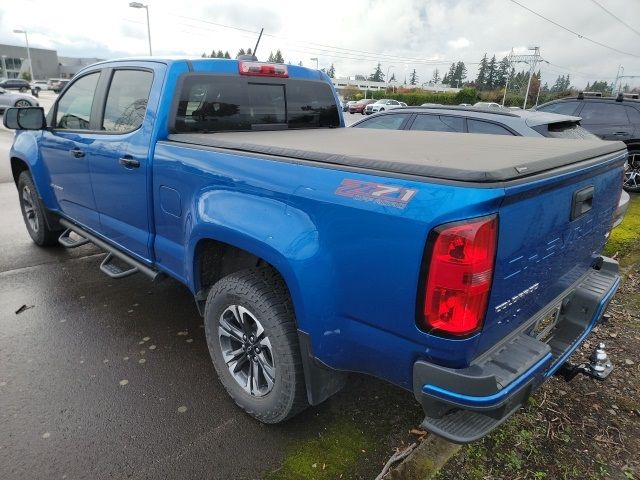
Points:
x=632 y=171
x=252 y=338
x=33 y=213
x=22 y=103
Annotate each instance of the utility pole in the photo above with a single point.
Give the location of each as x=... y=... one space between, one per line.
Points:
x=618 y=75
x=530 y=59
x=506 y=85
x=257 y=43
x=26 y=40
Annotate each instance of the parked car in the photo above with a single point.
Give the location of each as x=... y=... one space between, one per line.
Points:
x=381 y=105
x=11 y=99
x=15 y=84
x=345 y=107
x=441 y=118
x=466 y=272
x=360 y=105
x=58 y=85
x=610 y=118
x=39 y=85
x=487 y=105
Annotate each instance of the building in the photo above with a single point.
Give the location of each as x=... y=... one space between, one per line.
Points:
x=359 y=83
x=69 y=66
x=14 y=61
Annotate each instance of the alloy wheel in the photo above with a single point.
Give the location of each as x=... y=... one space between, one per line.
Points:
x=246 y=350
x=29 y=209
x=632 y=171
x=22 y=103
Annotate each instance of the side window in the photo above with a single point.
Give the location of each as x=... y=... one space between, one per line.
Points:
x=597 y=113
x=388 y=122
x=74 y=108
x=634 y=115
x=564 y=108
x=127 y=100
x=437 y=123
x=478 y=126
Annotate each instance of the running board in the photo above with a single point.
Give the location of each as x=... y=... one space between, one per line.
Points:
x=108 y=266
x=68 y=242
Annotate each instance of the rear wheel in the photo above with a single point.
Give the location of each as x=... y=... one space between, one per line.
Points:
x=23 y=89
x=253 y=341
x=632 y=171
x=33 y=213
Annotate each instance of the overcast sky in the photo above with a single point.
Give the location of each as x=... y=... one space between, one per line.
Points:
x=353 y=35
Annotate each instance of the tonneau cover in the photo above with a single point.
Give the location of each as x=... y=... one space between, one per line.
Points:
x=450 y=156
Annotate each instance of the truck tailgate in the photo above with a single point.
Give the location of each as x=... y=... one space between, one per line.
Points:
x=551 y=231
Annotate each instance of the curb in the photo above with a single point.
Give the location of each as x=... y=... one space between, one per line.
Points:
x=425 y=461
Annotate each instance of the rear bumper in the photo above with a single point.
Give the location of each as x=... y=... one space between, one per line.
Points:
x=621 y=210
x=463 y=405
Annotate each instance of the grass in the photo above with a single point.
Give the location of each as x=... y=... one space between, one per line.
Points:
x=626 y=236
x=331 y=455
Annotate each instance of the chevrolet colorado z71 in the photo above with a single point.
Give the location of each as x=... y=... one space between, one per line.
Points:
x=465 y=269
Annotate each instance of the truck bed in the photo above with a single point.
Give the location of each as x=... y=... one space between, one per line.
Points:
x=441 y=155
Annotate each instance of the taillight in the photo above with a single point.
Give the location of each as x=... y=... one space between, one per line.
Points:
x=460 y=273
x=258 y=69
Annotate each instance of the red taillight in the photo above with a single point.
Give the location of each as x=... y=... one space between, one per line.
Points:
x=258 y=69
x=460 y=275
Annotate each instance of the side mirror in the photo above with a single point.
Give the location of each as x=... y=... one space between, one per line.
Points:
x=27 y=118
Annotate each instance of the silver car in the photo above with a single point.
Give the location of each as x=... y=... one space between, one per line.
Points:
x=15 y=99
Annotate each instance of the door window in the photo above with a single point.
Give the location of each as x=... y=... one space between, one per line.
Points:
x=598 y=113
x=437 y=123
x=74 y=108
x=478 y=126
x=127 y=100
x=388 y=122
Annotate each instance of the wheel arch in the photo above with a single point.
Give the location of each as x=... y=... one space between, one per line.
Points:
x=18 y=165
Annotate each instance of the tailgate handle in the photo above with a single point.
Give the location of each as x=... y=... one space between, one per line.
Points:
x=582 y=202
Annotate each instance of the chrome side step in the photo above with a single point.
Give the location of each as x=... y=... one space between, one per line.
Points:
x=107 y=266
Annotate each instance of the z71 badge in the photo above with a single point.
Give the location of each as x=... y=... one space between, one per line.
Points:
x=386 y=195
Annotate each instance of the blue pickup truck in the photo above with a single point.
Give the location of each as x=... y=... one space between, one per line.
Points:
x=465 y=269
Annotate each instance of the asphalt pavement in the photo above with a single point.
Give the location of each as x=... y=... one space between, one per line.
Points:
x=111 y=379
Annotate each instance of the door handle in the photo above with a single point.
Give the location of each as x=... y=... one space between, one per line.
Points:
x=77 y=153
x=128 y=162
x=621 y=134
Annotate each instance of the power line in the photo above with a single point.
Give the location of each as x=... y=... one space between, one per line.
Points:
x=617 y=18
x=579 y=35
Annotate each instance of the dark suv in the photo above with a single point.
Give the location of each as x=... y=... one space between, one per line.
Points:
x=610 y=118
x=15 y=84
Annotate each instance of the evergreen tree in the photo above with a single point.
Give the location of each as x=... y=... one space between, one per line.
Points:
x=503 y=72
x=449 y=77
x=300 y=63
x=460 y=74
x=277 y=58
x=436 y=76
x=332 y=71
x=392 y=78
x=270 y=59
x=413 y=78
x=491 y=78
x=219 y=54
x=481 y=79
x=213 y=54
x=204 y=55
x=377 y=75
x=226 y=54
x=249 y=51
x=241 y=52
x=567 y=82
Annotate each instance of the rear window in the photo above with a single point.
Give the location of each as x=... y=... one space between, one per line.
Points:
x=564 y=130
x=564 y=108
x=213 y=103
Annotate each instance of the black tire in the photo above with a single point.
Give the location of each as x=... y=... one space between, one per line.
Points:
x=632 y=170
x=260 y=292
x=23 y=89
x=381 y=110
x=33 y=213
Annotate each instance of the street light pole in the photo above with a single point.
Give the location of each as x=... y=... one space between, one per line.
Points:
x=387 y=77
x=533 y=67
x=146 y=7
x=26 y=40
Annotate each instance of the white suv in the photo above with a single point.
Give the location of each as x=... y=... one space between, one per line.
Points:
x=382 y=105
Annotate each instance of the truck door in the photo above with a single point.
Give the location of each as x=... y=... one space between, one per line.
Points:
x=64 y=150
x=120 y=153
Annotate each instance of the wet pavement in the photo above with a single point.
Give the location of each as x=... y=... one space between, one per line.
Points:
x=112 y=379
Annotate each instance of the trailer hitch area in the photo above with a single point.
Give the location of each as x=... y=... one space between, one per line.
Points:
x=599 y=366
